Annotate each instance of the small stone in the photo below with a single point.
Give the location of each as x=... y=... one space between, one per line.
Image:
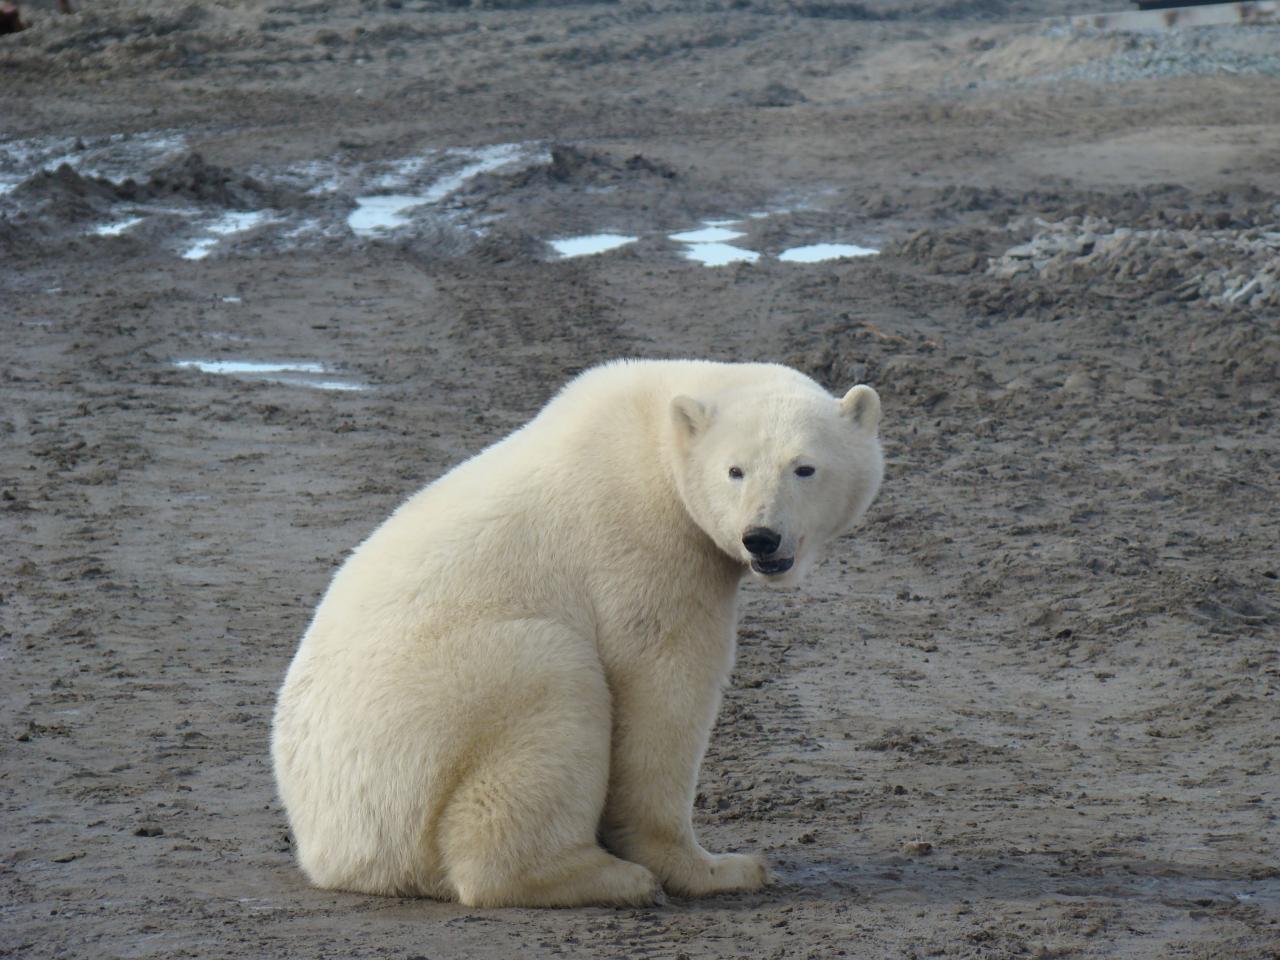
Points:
x=1077 y=382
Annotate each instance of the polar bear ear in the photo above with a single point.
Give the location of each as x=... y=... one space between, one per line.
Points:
x=862 y=406
x=690 y=417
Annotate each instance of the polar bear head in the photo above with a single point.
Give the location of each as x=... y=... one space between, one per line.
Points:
x=773 y=476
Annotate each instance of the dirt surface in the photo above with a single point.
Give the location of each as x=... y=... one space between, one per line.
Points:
x=1030 y=710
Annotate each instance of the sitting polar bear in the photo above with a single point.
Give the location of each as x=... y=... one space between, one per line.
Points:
x=505 y=695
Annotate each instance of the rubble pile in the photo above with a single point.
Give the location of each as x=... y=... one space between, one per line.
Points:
x=1224 y=267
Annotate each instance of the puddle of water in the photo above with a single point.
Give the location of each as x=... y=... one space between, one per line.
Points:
x=315 y=178
x=307 y=227
x=393 y=192
x=255 y=369
x=709 y=234
x=487 y=159
x=817 y=252
x=230 y=299
x=117 y=228
x=586 y=246
x=248 y=366
x=344 y=385
x=224 y=226
x=200 y=249
x=719 y=254
x=375 y=215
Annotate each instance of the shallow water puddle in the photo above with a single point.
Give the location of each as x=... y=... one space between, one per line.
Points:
x=487 y=159
x=293 y=374
x=248 y=366
x=341 y=385
x=719 y=254
x=591 y=244
x=713 y=232
x=225 y=226
x=710 y=247
x=375 y=215
x=117 y=228
x=818 y=252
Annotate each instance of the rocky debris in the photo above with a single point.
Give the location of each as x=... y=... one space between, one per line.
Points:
x=1224 y=267
x=1177 y=53
x=1063 y=55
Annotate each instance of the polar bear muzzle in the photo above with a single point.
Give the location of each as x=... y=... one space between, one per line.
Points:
x=761 y=543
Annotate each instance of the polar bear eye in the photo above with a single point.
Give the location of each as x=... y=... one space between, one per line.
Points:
x=804 y=471
x=735 y=473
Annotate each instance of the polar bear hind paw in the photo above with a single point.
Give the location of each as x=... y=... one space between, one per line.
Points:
x=586 y=877
x=711 y=874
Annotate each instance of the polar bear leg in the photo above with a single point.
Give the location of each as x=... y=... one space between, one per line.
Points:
x=663 y=716
x=520 y=827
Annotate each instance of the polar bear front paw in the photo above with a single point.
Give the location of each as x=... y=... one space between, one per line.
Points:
x=707 y=874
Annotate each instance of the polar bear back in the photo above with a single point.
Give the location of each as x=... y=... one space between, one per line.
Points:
x=524 y=523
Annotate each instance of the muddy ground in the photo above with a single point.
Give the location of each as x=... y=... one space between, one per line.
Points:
x=1029 y=710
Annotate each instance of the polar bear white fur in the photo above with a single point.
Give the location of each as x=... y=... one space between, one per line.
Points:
x=506 y=693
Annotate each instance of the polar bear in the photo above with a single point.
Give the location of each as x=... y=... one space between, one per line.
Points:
x=505 y=695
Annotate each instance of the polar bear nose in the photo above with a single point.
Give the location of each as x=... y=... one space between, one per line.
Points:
x=761 y=541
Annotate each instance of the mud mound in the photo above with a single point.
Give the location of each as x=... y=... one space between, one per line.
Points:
x=959 y=250
x=194 y=179
x=857 y=350
x=1246 y=349
x=576 y=167
x=583 y=190
x=64 y=195
x=1224 y=267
